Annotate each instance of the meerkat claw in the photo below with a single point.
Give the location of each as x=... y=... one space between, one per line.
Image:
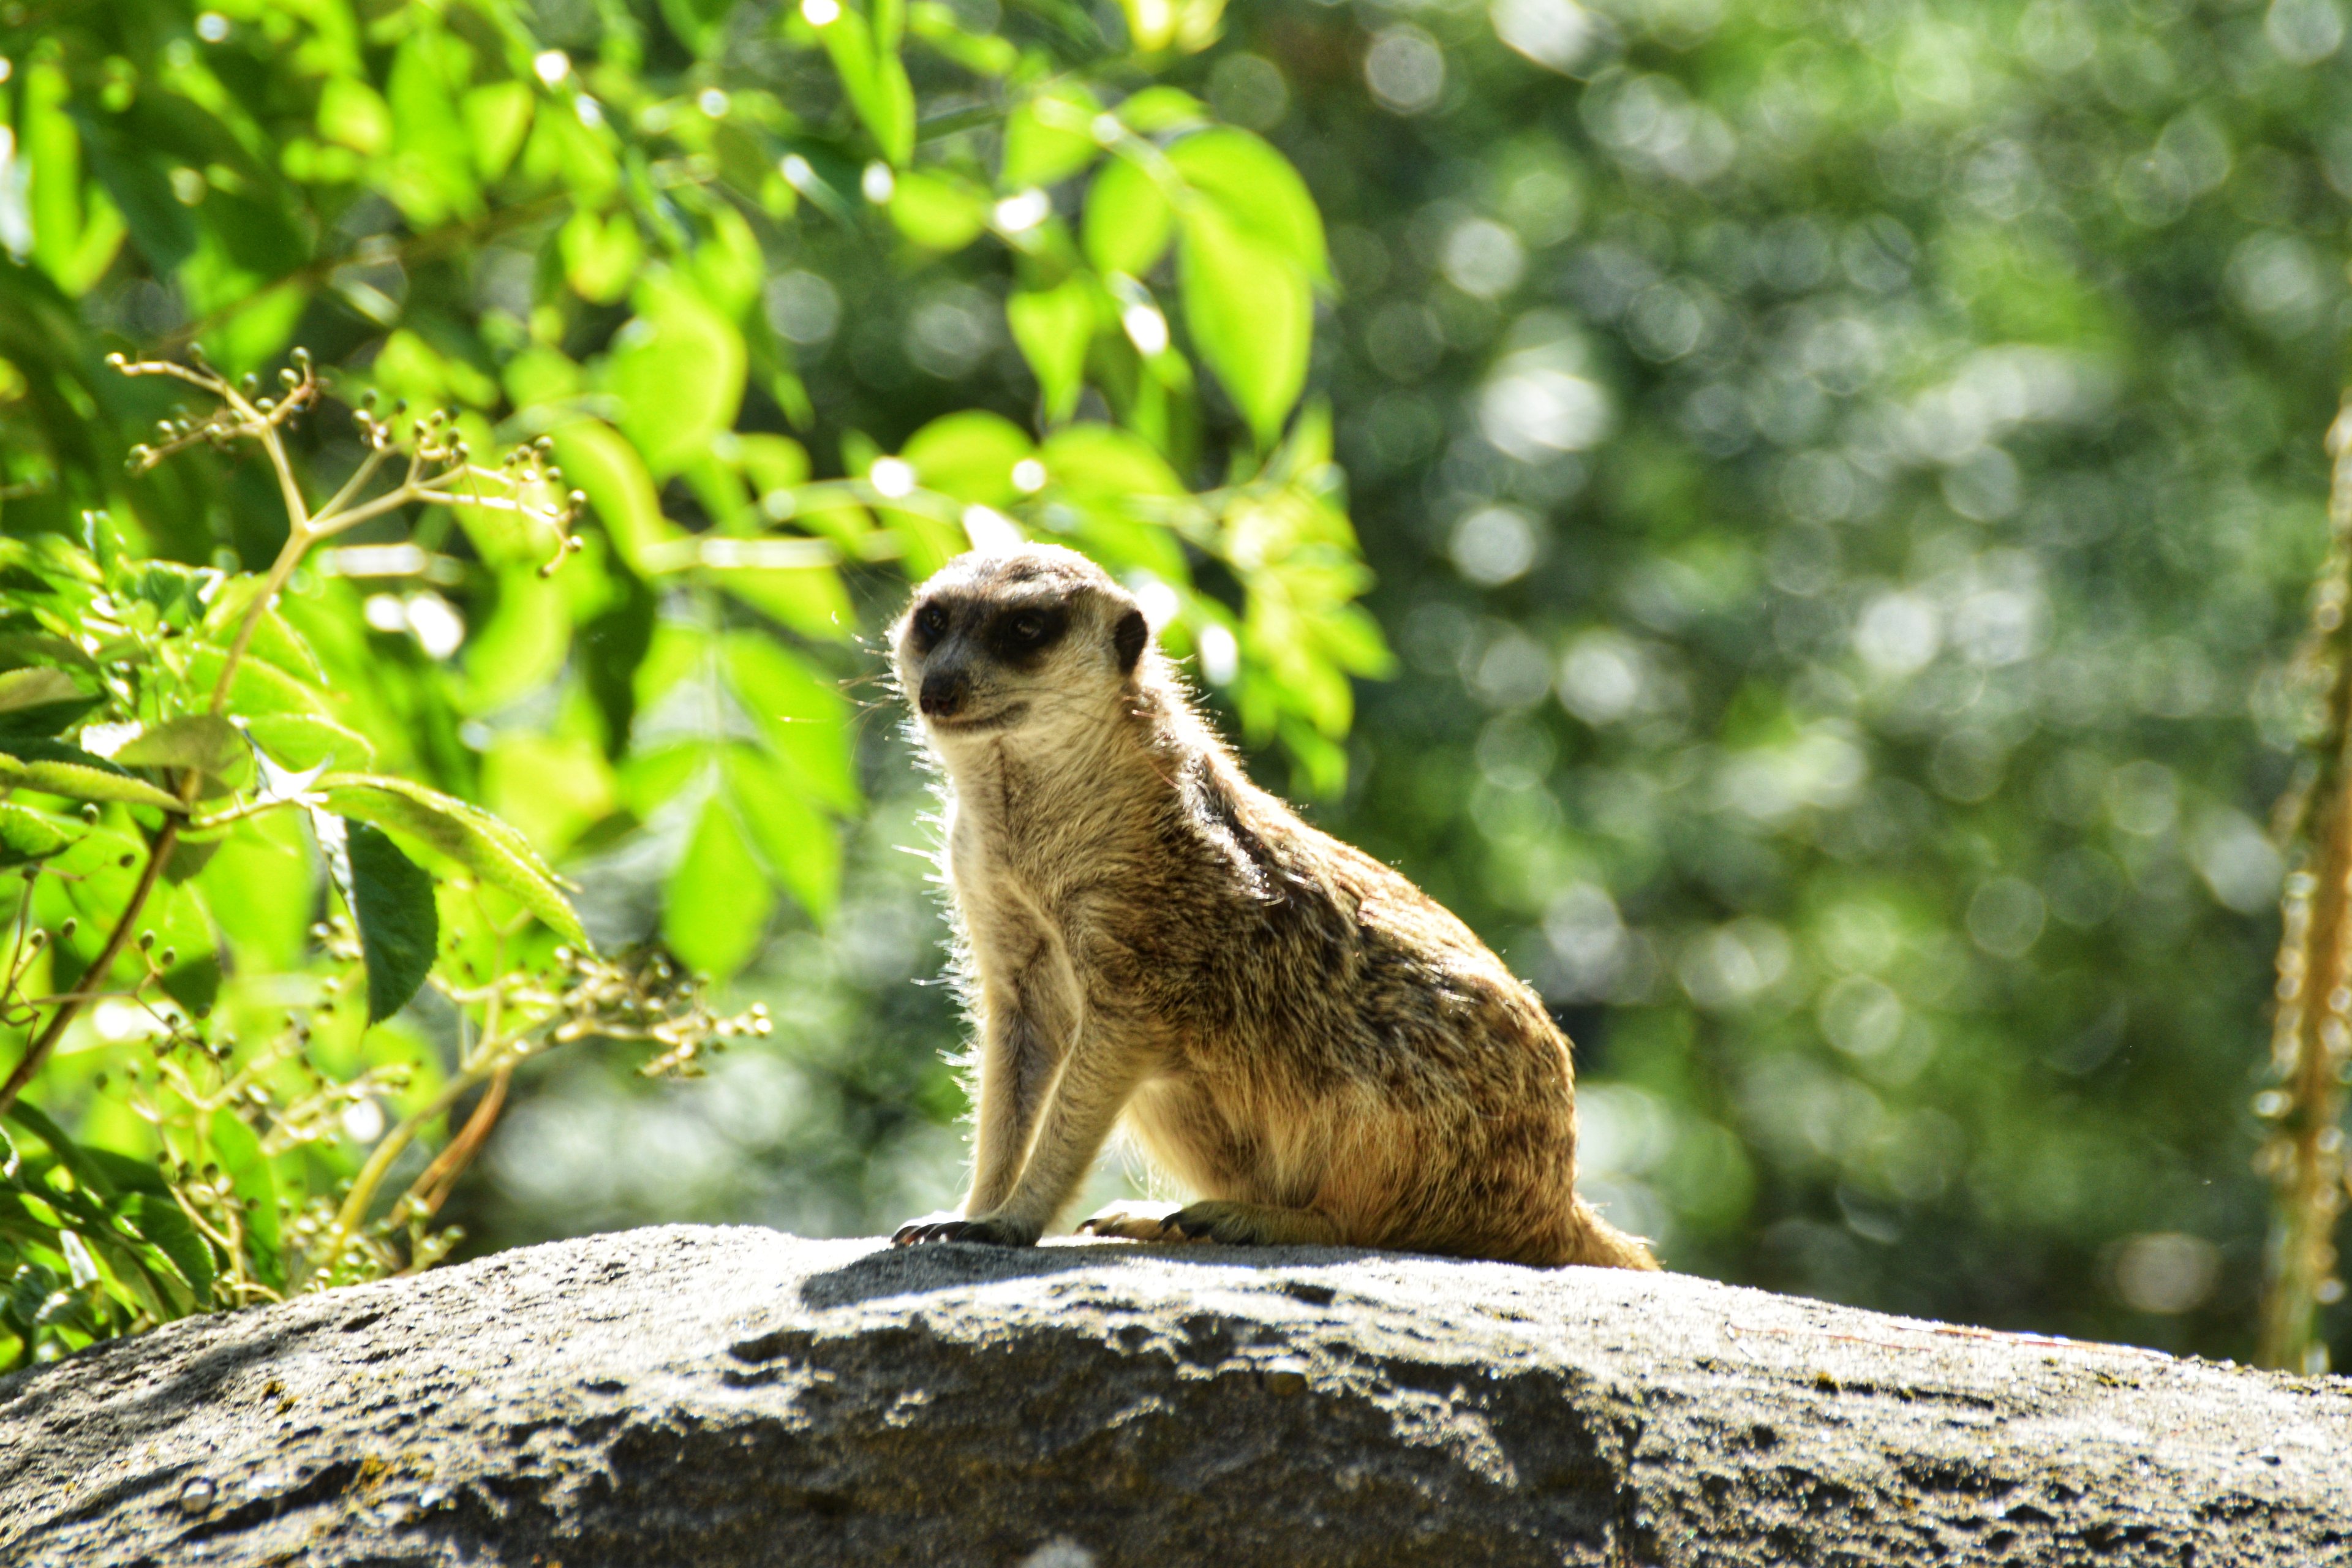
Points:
x=987 y=1232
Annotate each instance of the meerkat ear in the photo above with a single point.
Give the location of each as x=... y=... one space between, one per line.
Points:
x=1127 y=640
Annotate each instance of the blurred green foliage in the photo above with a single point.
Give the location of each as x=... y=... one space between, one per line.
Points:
x=1843 y=482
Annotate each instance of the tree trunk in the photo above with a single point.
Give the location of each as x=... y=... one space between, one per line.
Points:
x=715 y=1398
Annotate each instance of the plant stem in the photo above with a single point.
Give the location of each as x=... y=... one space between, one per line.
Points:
x=2314 y=1033
x=353 y=1214
x=115 y=940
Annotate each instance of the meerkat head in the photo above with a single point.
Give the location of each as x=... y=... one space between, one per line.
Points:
x=1037 y=640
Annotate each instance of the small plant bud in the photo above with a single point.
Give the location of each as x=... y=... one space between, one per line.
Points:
x=71 y=926
x=116 y=362
x=170 y=955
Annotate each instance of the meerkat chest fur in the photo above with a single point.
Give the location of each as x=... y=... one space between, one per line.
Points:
x=1031 y=836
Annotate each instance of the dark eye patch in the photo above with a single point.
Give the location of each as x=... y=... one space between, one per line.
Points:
x=1025 y=633
x=931 y=625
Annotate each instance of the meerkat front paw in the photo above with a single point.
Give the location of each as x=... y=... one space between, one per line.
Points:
x=1233 y=1225
x=1134 y=1222
x=1227 y=1224
x=988 y=1230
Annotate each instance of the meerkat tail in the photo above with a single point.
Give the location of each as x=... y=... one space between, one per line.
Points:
x=1601 y=1245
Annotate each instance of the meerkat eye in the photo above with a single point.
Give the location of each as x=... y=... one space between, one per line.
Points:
x=1022 y=634
x=930 y=623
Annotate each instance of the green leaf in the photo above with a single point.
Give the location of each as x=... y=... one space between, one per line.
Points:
x=679 y=372
x=352 y=114
x=875 y=83
x=1158 y=109
x=183 y=930
x=497 y=116
x=299 y=741
x=205 y=741
x=1251 y=315
x=87 y=1173
x=1102 y=462
x=600 y=254
x=1128 y=220
x=800 y=844
x=261 y=886
x=41 y=701
x=26 y=835
x=1054 y=327
x=811 y=600
x=20 y=649
x=970 y=456
x=55 y=768
x=551 y=787
x=159 y=1222
x=608 y=471
x=239 y=1152
x=432 y=173
x=937 y=211
x=391 y=899
x=802 y=714
x=1258 y=191
x=717 y=902
x=471 y=836
x=520 y=646
x=258 y=687
x=1050 y=137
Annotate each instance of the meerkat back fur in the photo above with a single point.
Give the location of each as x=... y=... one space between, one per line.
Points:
x=1285 y=1026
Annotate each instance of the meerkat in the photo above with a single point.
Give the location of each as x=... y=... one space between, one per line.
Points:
x=1285 y=1025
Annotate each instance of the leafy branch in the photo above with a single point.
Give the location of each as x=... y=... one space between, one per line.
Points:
x=439 y=470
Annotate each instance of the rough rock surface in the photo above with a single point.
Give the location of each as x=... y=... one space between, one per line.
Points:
x=714 y=1397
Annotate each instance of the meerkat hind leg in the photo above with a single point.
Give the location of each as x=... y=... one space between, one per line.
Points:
x=1229 y=1224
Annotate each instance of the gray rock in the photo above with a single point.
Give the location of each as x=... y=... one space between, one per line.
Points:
x=714 y=1397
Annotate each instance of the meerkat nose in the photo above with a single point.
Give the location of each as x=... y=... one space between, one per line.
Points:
x=943 y=692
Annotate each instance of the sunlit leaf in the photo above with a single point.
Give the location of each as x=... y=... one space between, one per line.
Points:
x=937 y=211
x=1258 y=191
x=1250 y=313
x=677 y=370
x=26 y=835
x=607 y=469
x=716 y=903
x=498 y=116
x=474 y=838
x=1054 y=327
x=205 y=741
x=601 y=252
x=1049 y=136
x=970 y=456
x=55 y=768
x=1128 y=220
x=799 y=843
